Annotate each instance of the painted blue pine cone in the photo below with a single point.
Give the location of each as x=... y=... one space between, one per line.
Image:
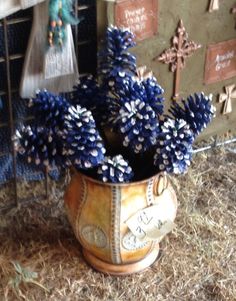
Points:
x=135 y=116
x=90 y=95
x=83 y=144
x=49 y=109
x=39 y=146
x=197 y=111
x=114 y=58
x=118 y=82
x=174 y=147
x=154 y=94
x=139 y=126
x=115 y=170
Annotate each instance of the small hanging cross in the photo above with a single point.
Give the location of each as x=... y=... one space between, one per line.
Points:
x=227 y=97
x=214 y=5
x=233 y=11
x=177 y=54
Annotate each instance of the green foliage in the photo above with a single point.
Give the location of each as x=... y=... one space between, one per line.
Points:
x=24 y=276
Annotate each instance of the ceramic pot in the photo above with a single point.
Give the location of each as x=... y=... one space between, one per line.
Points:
x=98 y=213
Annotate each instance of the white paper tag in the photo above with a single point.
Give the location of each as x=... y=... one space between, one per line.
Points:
x=59 y=62
x=149 y=224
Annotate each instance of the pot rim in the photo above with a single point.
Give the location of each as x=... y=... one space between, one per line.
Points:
x=134 y=183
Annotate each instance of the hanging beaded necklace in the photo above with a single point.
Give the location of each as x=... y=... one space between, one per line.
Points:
x=59 y=16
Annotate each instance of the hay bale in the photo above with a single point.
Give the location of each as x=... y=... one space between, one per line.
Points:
x=197 y=262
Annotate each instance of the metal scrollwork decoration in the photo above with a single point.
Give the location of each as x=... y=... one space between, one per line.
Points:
x=176 y=56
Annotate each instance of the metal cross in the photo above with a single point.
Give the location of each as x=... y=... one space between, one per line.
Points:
x=214 y=5
x=227 y=97
x=177 y=54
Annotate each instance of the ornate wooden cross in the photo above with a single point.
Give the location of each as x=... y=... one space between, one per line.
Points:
x=214 y=5
x=227 y=97
x=177 y=54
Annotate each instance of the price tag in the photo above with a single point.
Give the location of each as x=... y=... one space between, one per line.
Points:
x=150 y=224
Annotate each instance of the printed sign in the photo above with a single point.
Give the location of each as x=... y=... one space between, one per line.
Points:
x=220 y=62
x=140 y=16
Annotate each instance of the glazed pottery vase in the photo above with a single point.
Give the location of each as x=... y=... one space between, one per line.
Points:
x=98 y=213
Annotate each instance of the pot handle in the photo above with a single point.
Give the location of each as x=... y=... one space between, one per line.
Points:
x=160 y=184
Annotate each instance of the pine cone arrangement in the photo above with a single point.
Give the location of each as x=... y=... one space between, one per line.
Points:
x=125 y=99
x=197 y=111
x=174 y=147
x=115 y=170
x=83 y=144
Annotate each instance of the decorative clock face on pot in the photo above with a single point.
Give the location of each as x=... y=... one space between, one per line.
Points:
x=94 y=236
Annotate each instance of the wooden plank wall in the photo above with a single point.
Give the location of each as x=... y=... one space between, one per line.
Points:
x=204 y=28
